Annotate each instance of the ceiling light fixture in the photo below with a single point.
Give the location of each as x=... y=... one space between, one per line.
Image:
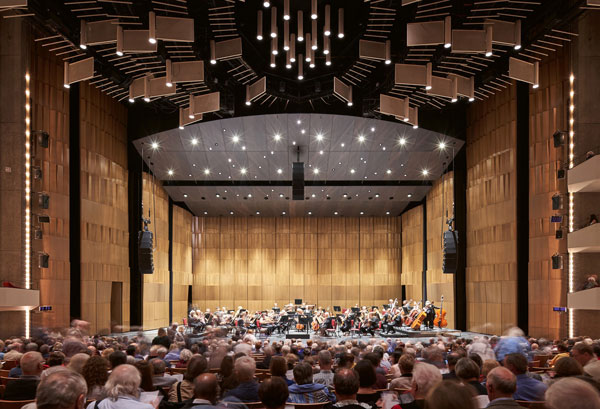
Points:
x=235 y=139
x=266 y=4
x=328 y=59
x=327 y=24
x=243 y=171
x=361 y=138
x=313 y=9
x=319 y=137
x=320 y=152
x=274 y=49
x=213 y=52
x=119 y=50
x=425 y=172
x=300 y=26
x=389 y=171
x=146 y=99
x=388 y=52
x=307 y=50
x=292 y=48
x=273 y=64
x=155 y=145
x=194 y=141
x=280 y=171
x=442 y=145
x=207 y=171
x=309 y=213
x=314 y=45
x=325 y=45
x=259 y=25
x=171 y=172
x=185 y=195
x=352 y=171
x=152 y=27
x=286 y=35
x=273 y=22
x=447 y=32
x=277 y=137
x=402 y=141
x=341 y=23
x=316 y=171
x=286 y=10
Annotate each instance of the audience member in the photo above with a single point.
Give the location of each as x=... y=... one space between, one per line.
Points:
x=77 y=362
x=450 y=395
x=146 y=373
x=278 y=368
x=584 y=354
x=247 y=389
x=117 y=358
x=24 y=388
x=206 y=390
x=325 y=375
x=95 y=373
x=122 y=390
x=572 y=393
x=346 y=384
x=563 y=352
x=273 y=393
x=184 y=389
x=513 y=342
x=425 y=377
x=452 y=359
x=528 y=389
x=159 y=378
x=55 y=358
x=406 y=365
x=63 y=389
x=305 y=390
x=162 y=339
x=501 y=385
x=567 y=367
x=367 y=379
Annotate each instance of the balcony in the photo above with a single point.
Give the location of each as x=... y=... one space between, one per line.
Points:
x=18 y=299
x=585 y=177
x=586 y=240
x=584 y=300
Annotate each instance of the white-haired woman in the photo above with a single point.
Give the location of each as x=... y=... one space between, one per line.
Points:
x=122 y=390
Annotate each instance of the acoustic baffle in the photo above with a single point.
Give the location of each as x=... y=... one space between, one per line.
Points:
x=74 y=203
x=449 y=261
x=144 y=251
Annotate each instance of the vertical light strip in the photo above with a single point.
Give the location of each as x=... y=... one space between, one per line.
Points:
x=27 y=193
x=571 y=204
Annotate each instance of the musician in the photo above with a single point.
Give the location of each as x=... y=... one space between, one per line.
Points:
x=406 y=306
x=430 y=311
x=347 y=318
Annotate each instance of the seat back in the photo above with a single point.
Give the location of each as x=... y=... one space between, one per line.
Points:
x=308 y=405
x=5 y=379
x=14 y=404
x=9 y=364
x=254 y=405
x=532 y=404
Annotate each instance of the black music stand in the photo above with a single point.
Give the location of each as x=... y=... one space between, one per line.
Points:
x=337 y=308
x=305 y=321
x=298 y=301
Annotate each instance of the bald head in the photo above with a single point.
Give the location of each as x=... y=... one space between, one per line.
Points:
x=501 y=383
x=32 y=363
x=206 y=387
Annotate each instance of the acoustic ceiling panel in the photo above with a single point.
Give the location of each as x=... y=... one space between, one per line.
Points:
x=397 y=107
x=78 y=71
x=202 y=104
x=524 y=71
x=228 y=49
x=136 y=41
x=98 y=32
x=413 y=74
x=187 y=71
x=175 y=29
x=371 y=50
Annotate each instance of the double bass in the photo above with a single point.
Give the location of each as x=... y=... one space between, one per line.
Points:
x=440 y=318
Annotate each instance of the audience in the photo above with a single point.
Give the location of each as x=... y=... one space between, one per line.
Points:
x=501 y=385
x=406 y=365
x=367 y=392
x=77 y=362
x=567 y=367
x=584 y=354
x=528 y=389
x=273 y=393
x=64 y=389
x=450 y=395
x=346 y=384
x=425 y=377
x=572 y=393
x=305 y=390
x=247 y=390
x=24 y=387
x=452 y=360
x=184 y=390
x=325 y=375
x=206 y=391
x=95 y=373
x=122 y=390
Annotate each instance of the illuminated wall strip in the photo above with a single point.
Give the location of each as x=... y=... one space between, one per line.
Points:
x=571 y=201
x=27 y=193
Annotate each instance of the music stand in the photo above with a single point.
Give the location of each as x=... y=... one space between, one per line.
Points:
x=305 y=321
x=386 y=306
x=298 y=301
x=355 y=310
x=337 y=308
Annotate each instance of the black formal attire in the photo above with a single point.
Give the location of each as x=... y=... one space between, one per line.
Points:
x=23 y=388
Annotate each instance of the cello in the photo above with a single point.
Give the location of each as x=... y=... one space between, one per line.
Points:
x=440 y=319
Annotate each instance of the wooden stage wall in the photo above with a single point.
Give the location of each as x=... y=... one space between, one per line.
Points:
x=491 y=273
x=254 y=262
x=50 y=112
x=182 y=261
x=104 y=217
x=412 y=253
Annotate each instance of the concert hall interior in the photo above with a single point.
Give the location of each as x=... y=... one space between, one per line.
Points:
x=159 y=157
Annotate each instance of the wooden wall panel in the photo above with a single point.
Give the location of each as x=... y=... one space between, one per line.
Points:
x=491 y=273
x=182 y=261
x=50 y=112
x=412 y=253
x=156 y=286
x=323 y=261
x=104 y=208
x=439 y=208
x=548 y=112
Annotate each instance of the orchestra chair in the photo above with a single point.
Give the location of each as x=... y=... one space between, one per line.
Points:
x=14 y=404
x=532 y=404
x=9 y=364
x=254 y=405
x=5 y=379
x=307 y=405
x=353 y=331
x=332 y=331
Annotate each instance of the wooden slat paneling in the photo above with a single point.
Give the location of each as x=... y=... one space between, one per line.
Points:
x=412 y=253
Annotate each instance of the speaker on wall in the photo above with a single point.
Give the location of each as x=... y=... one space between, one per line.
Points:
x=298 y=180
x=450 y=261
x=43 y=260
x=145 y=258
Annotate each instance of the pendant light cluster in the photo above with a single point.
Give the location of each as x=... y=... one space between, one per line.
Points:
x=292 y=37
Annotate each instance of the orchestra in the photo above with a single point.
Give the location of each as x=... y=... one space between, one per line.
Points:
x=303 y=317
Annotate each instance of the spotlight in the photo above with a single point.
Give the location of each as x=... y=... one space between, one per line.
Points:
x=361 y=138
x=169 y=84
x=171 y=172
x=425 y=172
x=277 y=137
x=517 y=46
x=131 y=100
x=279 y=171
x=535 y=86
x=119 y=53
x=235 y=139
x=207 y=171
x=152 y=40
x=350 y=103
x=194 y=141
x=155 y=145
x=243 y=171
x=67 y=86
x=319 y=137
x=402 y=141
x=442 y=145
x=415 y=126
x=191 y=116
x=471 y=99
x=454 y=100
x=316 y=171
x=181 y=127
x=428 y=87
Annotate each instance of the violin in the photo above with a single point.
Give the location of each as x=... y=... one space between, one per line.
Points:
x=440 y=318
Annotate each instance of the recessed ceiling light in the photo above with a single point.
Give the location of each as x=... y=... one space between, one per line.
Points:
x=249 y=194
x=387 y=213
x=298 y=122
x=281 y=195
x=244 y=148
x=193 y=164
x=243 y=171
x=218 y=195
x=155 y=145
x=272 y=153
x=277 y=137
x=146 y=99
x=389 y=171
x=425 y=172
x=185 y=195
x=319 y=137
x=205 y=212
x=207 y=171
x=280 y=171
x=309 y=213
x=352 y=171
x=362 y=212
x=376 y=194
x=283 y=213
x=361 y=138
x=320 y=152
x=303 y=131
x=345 y=195
x=343 y=144
x=402 y=141
x=194 y=141
x=447 y=45
x=266 y=4
x=409 y=195
x=336 y=213
x=235 y=139
x=229 y=160
x=294 y=143
x=231 y=213
x=171 y=172
x=131 y=100
x=313 y=195
x=373 y=129
x=257 y=212
x=383 y=148
x=316 y=171
x=442 y=145
x=190 y=175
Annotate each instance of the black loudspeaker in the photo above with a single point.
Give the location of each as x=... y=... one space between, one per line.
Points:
x=298 y=181
x=558 y=234
x=43 y=260
x=556 y=202
x=450 y=260
x=44 y=201
x=557 y=262
x=145 y=259
x=559 y=138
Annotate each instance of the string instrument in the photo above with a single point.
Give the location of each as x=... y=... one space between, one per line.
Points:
x=411 y=316
x=416 y=324
x=315 y=324
x=440 y=318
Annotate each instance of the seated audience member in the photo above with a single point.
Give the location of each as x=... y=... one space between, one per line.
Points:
x=450 y=395
x=572 y=393
x=159 y=378
x=367 y=380
x=184 y=357
x=184 y=389
x=173 y=354
x=206 y=390
x=55 y=358
x=346 y=384
x=563 y=352
x=527 y=388
x=487 y=366
x=292 y=360
x=304 y=390
x=395 y=358
x=325 y=375
x=147 y=373
x=77 y=362
x=64 y=389
x=273 y=393
x=584 y=354
x=278 y=368
x=501 y=385
x=591 y=282
x=247 y=389
x=23 y=388
x=16 y=371
x=467 y=371
x=406 y=365
x=375 y=359
x=269 y=352
x=117 y=358
x=425 y=377
x=162 y=339
x=122 y=390
x=346 y=360
x=452 y=359
x=513 y=342
x=567 y=367
x=434 y=355
x=225 y=377
x=95 y=373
